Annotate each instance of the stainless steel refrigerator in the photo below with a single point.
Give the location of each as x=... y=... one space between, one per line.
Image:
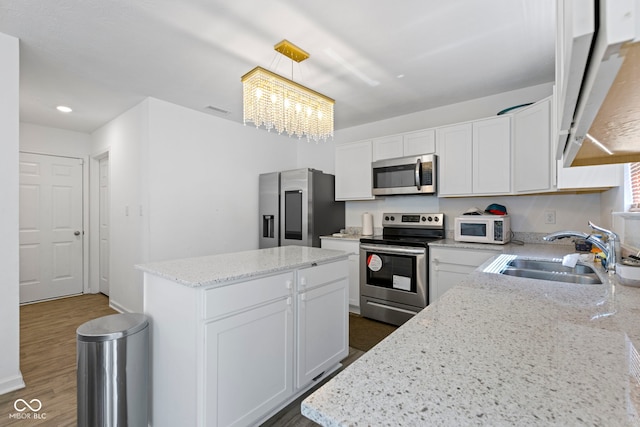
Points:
x=297 y=207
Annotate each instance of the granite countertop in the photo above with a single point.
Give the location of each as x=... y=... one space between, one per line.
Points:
x=500 y=350
x=219 y=269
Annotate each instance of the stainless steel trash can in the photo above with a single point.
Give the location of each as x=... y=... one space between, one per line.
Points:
x=113 y=371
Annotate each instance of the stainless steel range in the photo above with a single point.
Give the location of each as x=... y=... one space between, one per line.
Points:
x=394 y=272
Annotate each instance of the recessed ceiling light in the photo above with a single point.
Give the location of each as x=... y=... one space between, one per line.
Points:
x=400 y=76
x=63 y=109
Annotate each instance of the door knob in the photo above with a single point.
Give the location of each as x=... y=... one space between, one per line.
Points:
x=76 y=233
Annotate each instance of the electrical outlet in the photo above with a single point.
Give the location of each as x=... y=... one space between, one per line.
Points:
x=549 y=217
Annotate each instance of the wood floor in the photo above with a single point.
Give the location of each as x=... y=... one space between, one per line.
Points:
x=48 y=364
x=48 y=359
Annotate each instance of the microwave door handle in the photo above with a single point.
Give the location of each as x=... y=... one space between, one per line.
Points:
x=417 y=173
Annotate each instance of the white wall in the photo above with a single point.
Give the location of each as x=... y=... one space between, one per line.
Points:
x=183 y=183
x=203 y=181
x=455 y=113
x=58 y=142
x=126 y=139
x=10 y=376
x=316 y=155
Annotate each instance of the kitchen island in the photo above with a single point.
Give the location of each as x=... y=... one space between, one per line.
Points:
x=500 y=350
x=235 y=337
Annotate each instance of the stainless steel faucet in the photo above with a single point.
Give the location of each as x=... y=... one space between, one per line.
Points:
x=609 y=247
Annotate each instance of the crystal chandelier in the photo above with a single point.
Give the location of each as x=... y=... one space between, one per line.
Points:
x=275 y=102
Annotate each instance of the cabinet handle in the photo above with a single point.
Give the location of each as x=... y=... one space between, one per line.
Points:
x=303 y=281
x=289 y=284
x=289 y=301
x=435 y=263
x=303 y=297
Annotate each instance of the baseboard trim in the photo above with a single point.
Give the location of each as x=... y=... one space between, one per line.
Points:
x=11 y=384
x=117 y=307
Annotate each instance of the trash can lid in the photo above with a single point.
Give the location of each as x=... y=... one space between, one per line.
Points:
x=112 y=327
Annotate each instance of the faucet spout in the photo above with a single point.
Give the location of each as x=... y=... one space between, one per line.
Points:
x=609 y=247
x=564 y=234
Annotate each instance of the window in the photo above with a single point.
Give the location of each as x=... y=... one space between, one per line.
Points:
x=634 y=168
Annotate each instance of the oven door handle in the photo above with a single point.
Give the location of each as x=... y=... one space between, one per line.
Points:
x=393 y=249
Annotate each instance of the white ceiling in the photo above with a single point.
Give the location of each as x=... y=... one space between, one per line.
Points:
x=101 y=57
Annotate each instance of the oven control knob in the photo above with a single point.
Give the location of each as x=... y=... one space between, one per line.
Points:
x=423 y=219
x=393 y=218
x=436 y=219
x=386 y=218
x=430 y=219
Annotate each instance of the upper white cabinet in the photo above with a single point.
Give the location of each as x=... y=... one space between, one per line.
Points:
x=581 y=177
x=492 y=156
x=353 y=171
x=387 y=147
x=475 y=158
x=532 y=156
x=408 y=144
x=455 y=159
x=420 y=142
x=575 y=29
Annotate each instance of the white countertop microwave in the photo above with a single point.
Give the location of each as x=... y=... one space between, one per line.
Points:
x=483 y=229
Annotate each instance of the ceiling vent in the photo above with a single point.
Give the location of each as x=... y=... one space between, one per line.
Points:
x=217 y=110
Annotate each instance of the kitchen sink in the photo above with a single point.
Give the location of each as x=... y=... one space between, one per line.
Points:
x=551 y=270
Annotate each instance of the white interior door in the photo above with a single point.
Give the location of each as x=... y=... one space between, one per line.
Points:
x=51 y=232
x=104 y=225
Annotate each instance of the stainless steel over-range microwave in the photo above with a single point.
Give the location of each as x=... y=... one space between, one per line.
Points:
x=404 y=175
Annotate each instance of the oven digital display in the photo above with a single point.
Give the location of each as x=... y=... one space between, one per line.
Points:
x=410 y=218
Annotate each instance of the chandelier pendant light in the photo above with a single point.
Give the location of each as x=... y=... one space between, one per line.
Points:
x=278 y=103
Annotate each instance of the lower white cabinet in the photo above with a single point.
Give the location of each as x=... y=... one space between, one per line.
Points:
x=323 y=339
x=233 y=355
x=247 y=364
x=449 y=266
x=353 y=247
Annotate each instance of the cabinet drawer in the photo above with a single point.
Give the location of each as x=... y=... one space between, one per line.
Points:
x=235 y=297
x=314 y=276
x=461 y=256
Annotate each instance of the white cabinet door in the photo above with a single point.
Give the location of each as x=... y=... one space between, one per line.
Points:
x=575 y=28
x=323 y=330
x=532 y=158
x=492 y=156
x=387 y=147
x=353 y=247
x=449 y=266
x=455 y=159
x=421 y=142
x=582 y=177
x=353 y=171
x=248 y=364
